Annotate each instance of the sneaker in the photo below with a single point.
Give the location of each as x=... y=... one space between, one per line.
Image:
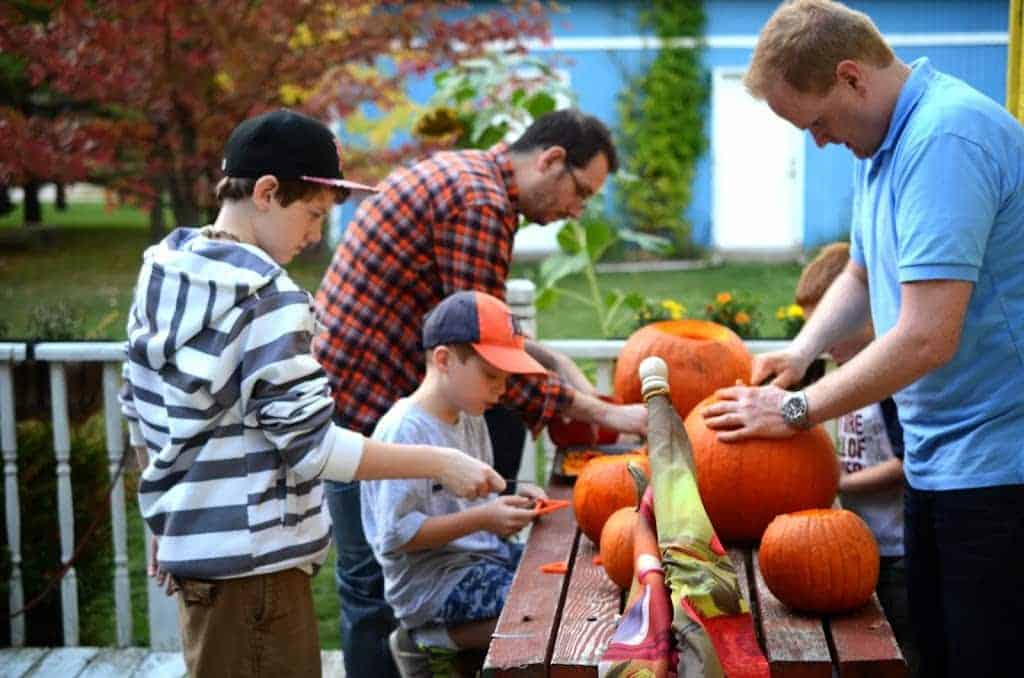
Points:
x=412 y=661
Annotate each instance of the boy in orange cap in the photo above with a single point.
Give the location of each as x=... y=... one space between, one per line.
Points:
x=447 y=563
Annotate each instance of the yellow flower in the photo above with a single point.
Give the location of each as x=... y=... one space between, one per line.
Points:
x=742 y=318
x=674 y=308
x=723 y=298
x=795 y=311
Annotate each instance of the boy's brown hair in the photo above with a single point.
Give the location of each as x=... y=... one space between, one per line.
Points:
x=288 y=190
x=821 y=272
x=804 y=41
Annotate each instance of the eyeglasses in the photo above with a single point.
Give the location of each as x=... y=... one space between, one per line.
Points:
x=583 y=192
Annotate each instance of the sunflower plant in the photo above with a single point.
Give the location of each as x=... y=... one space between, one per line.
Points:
x=737 y=311
x=582 y=243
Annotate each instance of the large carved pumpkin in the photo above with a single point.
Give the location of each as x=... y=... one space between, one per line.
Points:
x=701 y=356
x=744 y=485
x=820 y=560
x=617 y=545
x=604 y=485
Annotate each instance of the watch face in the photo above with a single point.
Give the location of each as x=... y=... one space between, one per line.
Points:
x=793 y=409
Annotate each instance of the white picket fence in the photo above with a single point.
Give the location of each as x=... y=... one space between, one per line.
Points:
x=163 y=627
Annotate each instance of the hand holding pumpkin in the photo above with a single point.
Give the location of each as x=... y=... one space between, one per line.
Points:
x=748 y=412
x=785 y=368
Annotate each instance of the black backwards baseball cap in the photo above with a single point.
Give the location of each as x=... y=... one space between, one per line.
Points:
x=288 y=145
x=485 y=323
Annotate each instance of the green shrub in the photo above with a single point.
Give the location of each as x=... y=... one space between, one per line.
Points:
x=661 y=127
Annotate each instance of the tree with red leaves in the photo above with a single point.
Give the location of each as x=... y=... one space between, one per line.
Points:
x=156 y=86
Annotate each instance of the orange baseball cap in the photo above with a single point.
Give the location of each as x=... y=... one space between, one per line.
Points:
x=485 y=323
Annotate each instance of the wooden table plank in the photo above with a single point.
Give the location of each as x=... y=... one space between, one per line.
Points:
x=795 y=643
x=865 y=645
x=524 y=634
x=741 y=560
x=590 y=614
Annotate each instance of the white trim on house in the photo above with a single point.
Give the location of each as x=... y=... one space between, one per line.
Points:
x=748 y=41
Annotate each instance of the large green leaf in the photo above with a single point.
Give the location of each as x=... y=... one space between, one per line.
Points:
x=646 y=241
x=557 y=266
x=571 y=238
x=546 y=298
x=599 y=237
x=491 y=135
x=540 y=103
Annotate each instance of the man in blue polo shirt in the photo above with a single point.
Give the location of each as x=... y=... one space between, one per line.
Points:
x=937 y=263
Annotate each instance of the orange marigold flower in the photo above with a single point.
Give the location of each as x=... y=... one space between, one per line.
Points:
x=742 y=318
x=723 y=298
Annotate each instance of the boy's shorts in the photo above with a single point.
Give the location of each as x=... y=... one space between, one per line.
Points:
x=482 y=591
x=263 y=625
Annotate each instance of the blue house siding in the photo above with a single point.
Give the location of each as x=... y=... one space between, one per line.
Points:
x=596 y=43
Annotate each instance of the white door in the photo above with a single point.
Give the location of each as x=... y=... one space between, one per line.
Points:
x=757 y=175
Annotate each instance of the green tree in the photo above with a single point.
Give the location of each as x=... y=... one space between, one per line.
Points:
x=661 y=119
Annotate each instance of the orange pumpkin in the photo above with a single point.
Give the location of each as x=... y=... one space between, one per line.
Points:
x=745 y=485
x=603 y=486
x=617 y=545
x=701 y=356
x=820 y=560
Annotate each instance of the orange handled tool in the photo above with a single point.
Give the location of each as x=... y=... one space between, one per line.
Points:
x=542 y=506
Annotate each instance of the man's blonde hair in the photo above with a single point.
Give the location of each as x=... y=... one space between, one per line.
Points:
x=804 y=41
x=821 y=272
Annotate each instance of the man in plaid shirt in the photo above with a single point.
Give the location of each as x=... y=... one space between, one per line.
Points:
x=442 y=225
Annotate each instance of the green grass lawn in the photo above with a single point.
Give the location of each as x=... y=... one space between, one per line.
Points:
x=88 y=271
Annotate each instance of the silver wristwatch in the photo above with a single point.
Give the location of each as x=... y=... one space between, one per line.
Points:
x=794 y=410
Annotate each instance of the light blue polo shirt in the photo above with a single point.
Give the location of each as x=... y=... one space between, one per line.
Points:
x=943 y=199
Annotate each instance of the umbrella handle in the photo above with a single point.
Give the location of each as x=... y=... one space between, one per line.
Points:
x=653 y=377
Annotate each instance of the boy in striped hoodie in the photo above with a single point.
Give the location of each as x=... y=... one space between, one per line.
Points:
x=231 y=414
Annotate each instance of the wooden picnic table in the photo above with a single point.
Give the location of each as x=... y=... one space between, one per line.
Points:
x=559 y=625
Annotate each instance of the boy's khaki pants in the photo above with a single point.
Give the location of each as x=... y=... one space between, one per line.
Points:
x=262 y=625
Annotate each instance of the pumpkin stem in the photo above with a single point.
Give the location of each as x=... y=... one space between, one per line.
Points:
x=639 y=480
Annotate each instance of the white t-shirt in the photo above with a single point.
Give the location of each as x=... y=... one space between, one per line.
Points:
x=864 y=441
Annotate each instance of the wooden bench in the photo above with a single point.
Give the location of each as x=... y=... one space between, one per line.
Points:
x=558 y=625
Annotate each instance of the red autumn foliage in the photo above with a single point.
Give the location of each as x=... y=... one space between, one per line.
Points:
x=165 y=81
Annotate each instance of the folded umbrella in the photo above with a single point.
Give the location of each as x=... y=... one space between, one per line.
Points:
x=685 y=615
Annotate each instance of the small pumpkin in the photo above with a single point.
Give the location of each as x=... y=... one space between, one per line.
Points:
x=617 y=545
x=820 y=560
x=604 y=485
x=701 y=356
x=745 y=484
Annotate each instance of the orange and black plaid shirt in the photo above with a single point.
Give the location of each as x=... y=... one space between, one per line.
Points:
x=442 y=225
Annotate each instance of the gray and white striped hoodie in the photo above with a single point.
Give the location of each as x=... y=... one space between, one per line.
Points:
x=220 y=386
